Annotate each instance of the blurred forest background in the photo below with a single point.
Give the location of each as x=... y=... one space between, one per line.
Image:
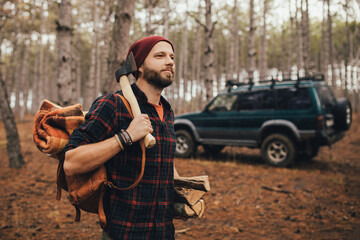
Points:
x=68 y=50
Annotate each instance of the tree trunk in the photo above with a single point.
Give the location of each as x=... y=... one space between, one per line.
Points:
x=330 y=46
x=18 y=50
x=197 y=65
x=98 y=68
x=98 y=52
x=290 y=49
x=283 y=47
x=24 y=79
x=305 y=36
x=234 y=45
x=47 y=89
x=13 y=143
x=40 y=79
x=166 y=19
x=218 y=67
x=120 y=43
x=324 y=47
x=76 y=70
x=11 y=73
x=357 y=76
x=149 y=6
x=299 y=41
x=263 y=56
x=355 y=59
x=89 y=91
x=47 y=80
x=180 y=80
x=64 y=30
x=209 y=52
x=347 y=44
x=105 y=54
x=290 y=43
x=35 y=86
x=251 y=42
x=185 y=74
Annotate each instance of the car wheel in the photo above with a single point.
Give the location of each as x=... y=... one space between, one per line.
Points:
x=278 y=150
x=214 y=149
x=343 y=114
x=185 y=145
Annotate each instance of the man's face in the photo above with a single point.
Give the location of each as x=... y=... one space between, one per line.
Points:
x=158 y=68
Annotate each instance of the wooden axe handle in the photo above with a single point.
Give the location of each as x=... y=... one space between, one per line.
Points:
x=149 y=139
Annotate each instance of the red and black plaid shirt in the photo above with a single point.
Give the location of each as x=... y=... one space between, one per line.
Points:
x=145 y=212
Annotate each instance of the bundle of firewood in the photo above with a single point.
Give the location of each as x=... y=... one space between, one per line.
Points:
x=188 y=196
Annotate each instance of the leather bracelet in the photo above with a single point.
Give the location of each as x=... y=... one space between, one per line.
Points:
x=119 y=142
x=122 y=139
x=127 y=137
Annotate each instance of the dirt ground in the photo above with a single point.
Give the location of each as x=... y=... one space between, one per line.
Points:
x=315 y=199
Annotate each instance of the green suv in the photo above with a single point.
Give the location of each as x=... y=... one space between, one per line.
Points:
x=285 y=119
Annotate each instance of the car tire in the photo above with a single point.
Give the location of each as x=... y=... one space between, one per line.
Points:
x=278 y=150
x=213 y=149
x=343 y=114
x=185 y=145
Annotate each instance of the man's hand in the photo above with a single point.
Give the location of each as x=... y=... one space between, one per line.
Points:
x=139 y=127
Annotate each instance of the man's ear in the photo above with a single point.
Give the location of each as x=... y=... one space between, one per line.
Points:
x=140 y=69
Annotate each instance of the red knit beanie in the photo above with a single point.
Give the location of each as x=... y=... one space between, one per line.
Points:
x=142 y=47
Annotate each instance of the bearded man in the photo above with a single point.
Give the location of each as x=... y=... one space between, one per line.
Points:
x=110 y=136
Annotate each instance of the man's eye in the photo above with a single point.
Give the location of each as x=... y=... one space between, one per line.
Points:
x=159 y=55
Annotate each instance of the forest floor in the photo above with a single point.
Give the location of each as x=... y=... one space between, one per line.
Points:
x=315 y=199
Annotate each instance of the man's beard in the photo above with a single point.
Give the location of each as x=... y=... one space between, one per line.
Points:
x=156 y=80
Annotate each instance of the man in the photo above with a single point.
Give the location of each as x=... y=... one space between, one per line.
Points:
x=110 y=136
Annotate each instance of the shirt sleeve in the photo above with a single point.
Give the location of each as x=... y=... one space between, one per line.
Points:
x=99 y=124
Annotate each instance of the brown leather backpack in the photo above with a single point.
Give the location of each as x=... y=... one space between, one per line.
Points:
x=86 y=191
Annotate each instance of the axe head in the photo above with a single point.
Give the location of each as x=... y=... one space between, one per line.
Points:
x=127 y=68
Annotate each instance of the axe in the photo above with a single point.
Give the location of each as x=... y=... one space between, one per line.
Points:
x=121 y=74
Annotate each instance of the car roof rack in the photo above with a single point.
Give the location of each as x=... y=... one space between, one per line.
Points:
x=233 y=83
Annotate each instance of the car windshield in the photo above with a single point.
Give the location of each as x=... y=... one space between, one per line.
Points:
x=223 y=103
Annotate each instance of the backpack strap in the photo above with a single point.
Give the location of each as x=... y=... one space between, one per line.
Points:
x=101 y=213
x=127 y=104
x=143 y=157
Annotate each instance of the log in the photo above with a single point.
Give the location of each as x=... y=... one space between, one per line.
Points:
x=199 y=208
x=187 y=195
x=198 y=182
x=182 y=210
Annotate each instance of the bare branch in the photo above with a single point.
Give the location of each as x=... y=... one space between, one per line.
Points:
x=197 y=20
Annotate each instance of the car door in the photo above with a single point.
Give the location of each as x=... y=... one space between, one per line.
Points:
x=254 y=108
x=218 y=119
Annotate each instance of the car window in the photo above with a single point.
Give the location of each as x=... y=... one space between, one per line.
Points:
x=326 y=96
x=223 y=103
x=293 y=98
x=257 y=100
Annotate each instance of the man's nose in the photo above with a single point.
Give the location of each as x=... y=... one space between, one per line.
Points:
x=169 y=61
